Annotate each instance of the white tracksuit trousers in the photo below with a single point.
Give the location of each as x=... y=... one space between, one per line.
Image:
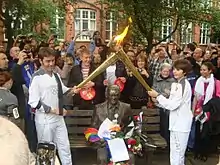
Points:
x=178 y=144
x=57 y=133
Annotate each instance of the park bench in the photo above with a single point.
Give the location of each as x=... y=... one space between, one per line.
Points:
x=79 y=120
x=151 y=128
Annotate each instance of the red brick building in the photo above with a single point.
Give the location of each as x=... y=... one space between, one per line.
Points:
x=91 y=15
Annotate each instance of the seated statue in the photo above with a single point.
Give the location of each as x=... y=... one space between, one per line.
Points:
x=109 y=109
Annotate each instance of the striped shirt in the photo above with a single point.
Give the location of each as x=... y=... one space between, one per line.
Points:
x=85 y=71
x=155 y=65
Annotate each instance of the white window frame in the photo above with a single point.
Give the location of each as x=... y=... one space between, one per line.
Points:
x=205 y=32
x=216 y=4
x=87 y=36
x=187 y=33
x=57 y=18
x=207 y=4
x=5 y=39
x=23 y=19
x=111 y=21
x=167 y=24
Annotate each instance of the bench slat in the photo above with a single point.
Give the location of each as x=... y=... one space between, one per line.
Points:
x=75 y=130
x=158 y=140
x=78 y=121
x=79 y=113
x=78 y=142
x=146 y=112
x=151 y=112
x=150 y=119
x=151 y=128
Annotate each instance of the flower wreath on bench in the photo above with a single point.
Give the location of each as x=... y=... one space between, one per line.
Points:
x=131 y=134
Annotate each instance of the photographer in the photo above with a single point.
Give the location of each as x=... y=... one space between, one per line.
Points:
x=27 y=69
x=96 y=41
x=51 y=41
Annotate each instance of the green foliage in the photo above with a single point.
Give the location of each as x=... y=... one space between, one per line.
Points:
x=29 y=13
x=214 y=22
x=148 y=15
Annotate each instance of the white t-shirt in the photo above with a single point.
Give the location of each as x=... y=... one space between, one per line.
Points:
x=44 y=89
x=110 y=72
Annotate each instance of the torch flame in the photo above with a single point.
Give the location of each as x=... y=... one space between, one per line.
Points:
x=119 y=38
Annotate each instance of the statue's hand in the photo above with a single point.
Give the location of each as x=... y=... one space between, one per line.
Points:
x=100 y=144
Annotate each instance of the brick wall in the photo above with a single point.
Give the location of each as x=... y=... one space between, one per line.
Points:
x=70 y=26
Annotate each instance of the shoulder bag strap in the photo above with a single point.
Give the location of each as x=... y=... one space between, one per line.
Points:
x=60 y=94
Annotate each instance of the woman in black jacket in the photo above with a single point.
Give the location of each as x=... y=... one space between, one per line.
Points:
x=138 y=96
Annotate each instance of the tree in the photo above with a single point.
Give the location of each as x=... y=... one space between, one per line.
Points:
x=214 y=23
x=148 y=15
x=29 y=13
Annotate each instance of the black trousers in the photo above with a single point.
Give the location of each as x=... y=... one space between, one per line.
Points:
x=164 y=125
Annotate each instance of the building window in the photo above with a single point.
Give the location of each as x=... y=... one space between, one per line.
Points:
x=21 y=28
x=205 y=31
x=167 y=27
x=216 y=4
x=5 y=38
x=186 y=33
x=111 y=25
x=60 y=24
x=206 y=4
x=85 y=20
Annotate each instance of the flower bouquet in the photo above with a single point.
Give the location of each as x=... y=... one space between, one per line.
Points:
x=129 y=133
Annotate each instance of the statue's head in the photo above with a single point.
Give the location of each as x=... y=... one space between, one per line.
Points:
x=113 y=94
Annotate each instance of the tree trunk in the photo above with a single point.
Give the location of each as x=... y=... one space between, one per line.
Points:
x=9 y=30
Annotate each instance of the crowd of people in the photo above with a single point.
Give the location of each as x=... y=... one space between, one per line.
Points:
x=35 y=75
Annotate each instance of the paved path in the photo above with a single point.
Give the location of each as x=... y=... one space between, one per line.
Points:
x=88 y=157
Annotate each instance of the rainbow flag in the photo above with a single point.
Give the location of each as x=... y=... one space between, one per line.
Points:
x=91 y=135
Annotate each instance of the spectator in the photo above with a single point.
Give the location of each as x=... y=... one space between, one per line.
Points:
x=194 y=73
x=138 y=96
x=9 y=102
x=96 y=41
x=204 y=91
x=204 y=87
x=155 y=65
x=162 y=84
x=81 y=72
x=14 y=147
x=14 y=54
x=3 y=61
x=217 y=71
x=18 y=81
x=207 y=56
x=197 y=55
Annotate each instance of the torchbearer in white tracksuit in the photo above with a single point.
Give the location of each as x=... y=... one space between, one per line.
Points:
x=44 y=92
x=179 y=105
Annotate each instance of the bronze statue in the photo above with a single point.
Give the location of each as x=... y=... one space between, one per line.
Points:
x=109 y=109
